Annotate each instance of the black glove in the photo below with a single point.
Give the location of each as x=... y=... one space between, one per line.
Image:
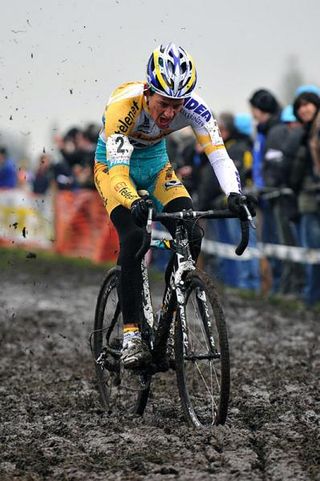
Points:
x=139 y=210
x=236 y=202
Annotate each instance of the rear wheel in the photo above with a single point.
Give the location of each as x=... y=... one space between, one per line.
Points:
x=120 y=389
x=202 y=353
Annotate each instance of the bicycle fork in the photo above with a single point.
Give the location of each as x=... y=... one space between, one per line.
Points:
x=148 y=316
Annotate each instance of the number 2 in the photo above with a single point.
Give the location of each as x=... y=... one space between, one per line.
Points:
x=120 y=141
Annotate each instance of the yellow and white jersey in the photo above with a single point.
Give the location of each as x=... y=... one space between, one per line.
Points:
x=127 y=119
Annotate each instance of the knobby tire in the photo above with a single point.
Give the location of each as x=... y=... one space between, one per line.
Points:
x=202 y=366
x=115 y=394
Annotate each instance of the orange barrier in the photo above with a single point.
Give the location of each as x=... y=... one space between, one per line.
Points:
x=83 y=228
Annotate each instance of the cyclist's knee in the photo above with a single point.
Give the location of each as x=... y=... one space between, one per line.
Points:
x=179 y=203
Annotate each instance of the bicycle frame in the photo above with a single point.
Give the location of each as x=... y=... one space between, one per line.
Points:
x=174 y=292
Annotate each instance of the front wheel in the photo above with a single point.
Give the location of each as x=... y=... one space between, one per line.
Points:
x=202 y=353
x=120 y=390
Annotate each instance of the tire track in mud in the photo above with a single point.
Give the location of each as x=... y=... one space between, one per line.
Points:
x=279 y=403
x=52 y=424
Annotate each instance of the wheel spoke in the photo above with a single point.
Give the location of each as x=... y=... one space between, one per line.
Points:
x=202 y=374
x=206 y=384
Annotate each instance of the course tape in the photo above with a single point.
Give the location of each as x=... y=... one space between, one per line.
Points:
x=279 y=251
x=82 y=228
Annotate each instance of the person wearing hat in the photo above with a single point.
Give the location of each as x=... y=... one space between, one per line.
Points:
x=307 y=88
x=305 y=180
x=284 y=138
x=244 y=274
x=265 y=110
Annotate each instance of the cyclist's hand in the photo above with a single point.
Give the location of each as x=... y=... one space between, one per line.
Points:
x=139 y=211
x=237 y=201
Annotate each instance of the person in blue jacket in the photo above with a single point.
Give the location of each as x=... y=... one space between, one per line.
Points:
x=8 y=172
x=266 y=112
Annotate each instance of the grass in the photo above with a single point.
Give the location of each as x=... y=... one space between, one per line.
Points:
x=283 y=302
x=26 y=257
x=40 y=260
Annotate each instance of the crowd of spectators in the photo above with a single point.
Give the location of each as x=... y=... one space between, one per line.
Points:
x=277 y=152
x=69 y=168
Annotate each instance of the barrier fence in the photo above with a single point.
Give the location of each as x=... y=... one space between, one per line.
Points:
x=82 y=227
x=75 y=223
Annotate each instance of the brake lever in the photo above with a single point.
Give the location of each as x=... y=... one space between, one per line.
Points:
x=249 y=216
x=149 y=220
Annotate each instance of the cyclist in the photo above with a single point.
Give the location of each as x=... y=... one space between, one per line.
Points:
x=131 y=155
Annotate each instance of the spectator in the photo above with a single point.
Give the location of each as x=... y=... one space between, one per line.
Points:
x=24 y=175
x=85 y=148
x=244 y=274
x=305 y=180
x=238 y=144
x=77 y=149
x=62 y=170
x=266 y=112
x=283 y=138
x=185 y=155
x=68 y=146
x=194 y=161
x=43 y=175
x=243 y=124
x=8 y=171
x=83 y=176
x=63 y=176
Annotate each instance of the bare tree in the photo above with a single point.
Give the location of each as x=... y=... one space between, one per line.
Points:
x=293 y=77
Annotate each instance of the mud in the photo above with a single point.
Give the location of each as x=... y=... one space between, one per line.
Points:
x=52 y=426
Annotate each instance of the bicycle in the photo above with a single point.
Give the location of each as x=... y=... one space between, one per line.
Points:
x=191 y=312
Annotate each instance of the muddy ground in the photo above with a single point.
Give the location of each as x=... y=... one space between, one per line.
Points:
x=52 y=426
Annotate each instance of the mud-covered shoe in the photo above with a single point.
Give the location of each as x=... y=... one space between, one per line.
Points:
x=135 y=353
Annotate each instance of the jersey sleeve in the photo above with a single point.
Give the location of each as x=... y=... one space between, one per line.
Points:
x=120 y=116
x=208 y=135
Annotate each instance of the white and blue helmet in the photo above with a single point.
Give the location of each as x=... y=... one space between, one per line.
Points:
x=171 y=72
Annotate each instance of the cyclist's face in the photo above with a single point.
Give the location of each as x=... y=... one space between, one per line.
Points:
x=307 y=111
x=163 y=110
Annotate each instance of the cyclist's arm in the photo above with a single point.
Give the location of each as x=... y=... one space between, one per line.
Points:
x=224 y=168
x=205 y=127
x=120 y=117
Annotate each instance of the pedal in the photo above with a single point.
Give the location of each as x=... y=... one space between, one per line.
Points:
x=106 y=361
x=101 y=358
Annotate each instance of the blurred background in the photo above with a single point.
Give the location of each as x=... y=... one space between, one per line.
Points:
x=60 y=61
